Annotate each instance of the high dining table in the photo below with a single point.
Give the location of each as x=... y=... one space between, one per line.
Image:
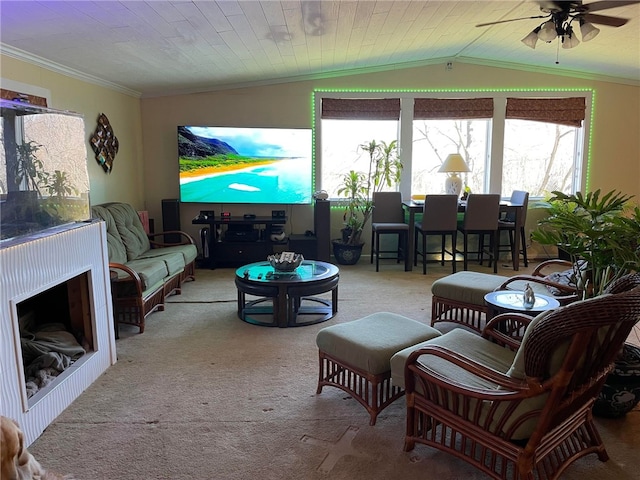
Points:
x=412 y=208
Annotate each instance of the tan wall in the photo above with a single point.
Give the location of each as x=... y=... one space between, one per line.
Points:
x=146 y=168
x=615 y=146
x=125 y=182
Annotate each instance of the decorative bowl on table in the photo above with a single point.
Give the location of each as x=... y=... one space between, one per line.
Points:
x=282 y=262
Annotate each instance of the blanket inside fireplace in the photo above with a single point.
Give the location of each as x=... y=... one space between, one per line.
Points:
x=48 y=339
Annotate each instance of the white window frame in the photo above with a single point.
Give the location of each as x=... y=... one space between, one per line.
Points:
x=493 y=170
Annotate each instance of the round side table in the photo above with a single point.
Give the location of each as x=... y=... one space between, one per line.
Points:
x=511 y=301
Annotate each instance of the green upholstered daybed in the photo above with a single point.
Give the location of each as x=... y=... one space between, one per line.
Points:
x=147 y=271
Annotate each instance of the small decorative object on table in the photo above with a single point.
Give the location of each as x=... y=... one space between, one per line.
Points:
x=529 y=299
x=285 y=261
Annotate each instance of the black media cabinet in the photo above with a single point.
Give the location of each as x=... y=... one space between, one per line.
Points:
x=237 y=240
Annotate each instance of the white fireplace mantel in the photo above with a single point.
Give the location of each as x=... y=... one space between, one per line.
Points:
x=29 y=268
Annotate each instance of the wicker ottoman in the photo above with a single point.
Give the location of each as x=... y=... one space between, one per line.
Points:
x=355 y=356
x=459 y=298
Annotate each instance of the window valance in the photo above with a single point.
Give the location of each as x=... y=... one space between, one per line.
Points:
x=361 y=108
x=452 y=108
x=564 y=111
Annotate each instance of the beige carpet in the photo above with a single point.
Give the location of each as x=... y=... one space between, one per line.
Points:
x=203 y=395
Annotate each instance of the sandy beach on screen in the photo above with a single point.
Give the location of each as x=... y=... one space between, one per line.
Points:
x=202 y=173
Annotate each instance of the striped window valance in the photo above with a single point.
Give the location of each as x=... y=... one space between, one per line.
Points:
x=563 y=111
x=361 y=108
x=452 y=108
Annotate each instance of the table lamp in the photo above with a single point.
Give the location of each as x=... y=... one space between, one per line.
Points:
x=453 y=164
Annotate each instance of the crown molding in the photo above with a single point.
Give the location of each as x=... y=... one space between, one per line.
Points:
x=18 y=54
x=296 y=78
x=549 y=71
x=396 y=66
x=44 y=63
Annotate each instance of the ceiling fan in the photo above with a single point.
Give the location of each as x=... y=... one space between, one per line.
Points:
x=562 y=14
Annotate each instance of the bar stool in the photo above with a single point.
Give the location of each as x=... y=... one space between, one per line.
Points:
x=388 y=219
x=439 y=217
x=481 y=218
x=508 y=224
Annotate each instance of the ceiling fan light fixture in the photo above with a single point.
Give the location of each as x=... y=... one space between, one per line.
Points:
x=531 y=39
x=588 y=30
x=569 y=40
x=547 y=31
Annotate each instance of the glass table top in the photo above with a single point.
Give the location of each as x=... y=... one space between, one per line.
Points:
x=515 y=300
x=308 y=271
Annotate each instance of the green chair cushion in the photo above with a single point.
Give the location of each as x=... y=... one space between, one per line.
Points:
x=517 y=368
x=115 y=248
x=462 y=341
x=151 y=271
x=467 y=287
x=173 y=261
x=369 y=343
x=135 y=239
x=188 y=251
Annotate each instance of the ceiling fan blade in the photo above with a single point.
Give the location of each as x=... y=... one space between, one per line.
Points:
x=605 y=4
x=605 y=20
x=510 y=20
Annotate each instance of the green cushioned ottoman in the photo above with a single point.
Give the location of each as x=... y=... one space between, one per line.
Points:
x=355 y=356
x=459 y=298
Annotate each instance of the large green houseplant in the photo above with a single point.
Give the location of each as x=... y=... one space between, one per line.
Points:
x=358 y=187
x=600 y=234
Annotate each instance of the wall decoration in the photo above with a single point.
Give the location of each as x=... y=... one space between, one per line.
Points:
x=104 y=143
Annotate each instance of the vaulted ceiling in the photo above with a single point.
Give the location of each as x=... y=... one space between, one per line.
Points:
x=154 y=48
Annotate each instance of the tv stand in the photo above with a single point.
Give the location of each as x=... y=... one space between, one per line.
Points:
x=244 y=245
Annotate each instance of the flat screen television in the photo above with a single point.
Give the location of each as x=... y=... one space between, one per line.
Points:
x=245 y=165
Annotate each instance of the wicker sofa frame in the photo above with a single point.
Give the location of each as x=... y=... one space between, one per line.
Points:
x=134 y=297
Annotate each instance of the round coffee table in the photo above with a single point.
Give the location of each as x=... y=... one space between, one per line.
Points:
x=509 y=301
x=286 y=296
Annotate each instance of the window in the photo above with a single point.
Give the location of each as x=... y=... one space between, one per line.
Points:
x=433 y=140
x=534 y=142
x=340 y=152
x=538 y=157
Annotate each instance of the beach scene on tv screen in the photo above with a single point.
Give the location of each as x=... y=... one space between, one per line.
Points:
x=245 y=165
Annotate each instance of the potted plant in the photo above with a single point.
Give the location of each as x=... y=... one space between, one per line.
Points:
x=599 y=234
x=358 y=189
x=604 y=234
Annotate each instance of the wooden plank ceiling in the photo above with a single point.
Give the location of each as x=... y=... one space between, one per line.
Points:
x=160 y=47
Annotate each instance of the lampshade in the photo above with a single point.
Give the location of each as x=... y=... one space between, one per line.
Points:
x=588 y=31
x=548 y=31
x=569 y=39
x=531 y=39
x=454 y=163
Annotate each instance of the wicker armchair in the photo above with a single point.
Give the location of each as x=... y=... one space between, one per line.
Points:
x=532 y=418
x=554 y=277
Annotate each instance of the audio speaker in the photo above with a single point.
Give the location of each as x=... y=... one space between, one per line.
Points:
x=171 y=219
x=322 y=227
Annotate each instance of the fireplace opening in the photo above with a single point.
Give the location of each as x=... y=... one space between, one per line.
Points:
x=56 y=331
